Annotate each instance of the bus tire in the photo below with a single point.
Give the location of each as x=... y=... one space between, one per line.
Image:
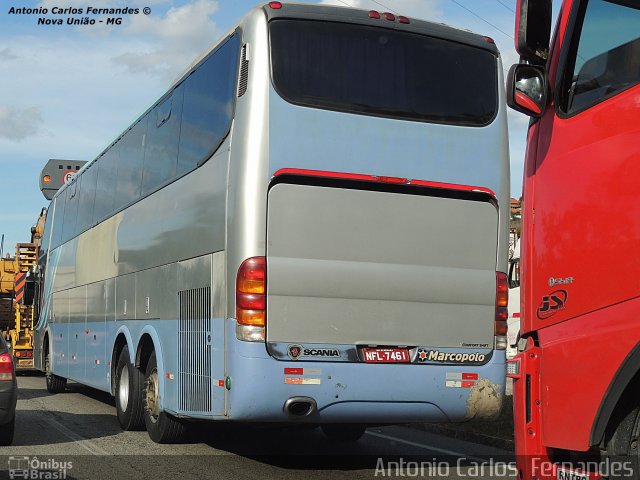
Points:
x=55 y=384
x=161 y=427
x=6 y=432
x=343 y=432
x=129 y=381
x=623 y=436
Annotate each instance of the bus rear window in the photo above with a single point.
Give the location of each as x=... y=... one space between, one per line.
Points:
x=382 y=72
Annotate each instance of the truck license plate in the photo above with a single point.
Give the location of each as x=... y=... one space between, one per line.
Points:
x=563 y=474
x=386 y=355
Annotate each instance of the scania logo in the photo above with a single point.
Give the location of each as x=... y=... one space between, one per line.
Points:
x=294 y=351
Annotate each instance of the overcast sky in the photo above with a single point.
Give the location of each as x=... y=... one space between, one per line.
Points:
x=68 y=91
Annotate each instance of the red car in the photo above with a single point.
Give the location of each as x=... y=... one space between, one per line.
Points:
x=8 y=394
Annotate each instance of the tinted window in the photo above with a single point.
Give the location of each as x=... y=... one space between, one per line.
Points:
x=130 y=162
x=208 y=105
x=86 y=198
x=107 y=166
x=46 y=234
x=607 y=58
x=378 y=71
x=56 y=237
x=163 y=137
x=70 y=211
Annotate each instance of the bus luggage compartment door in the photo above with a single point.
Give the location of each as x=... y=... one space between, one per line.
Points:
x=348 y=266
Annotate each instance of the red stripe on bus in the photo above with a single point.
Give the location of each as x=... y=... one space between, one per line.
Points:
x=381 y=179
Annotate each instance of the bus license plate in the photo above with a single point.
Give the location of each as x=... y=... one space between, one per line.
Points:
x=25 y=363
x=386 y=355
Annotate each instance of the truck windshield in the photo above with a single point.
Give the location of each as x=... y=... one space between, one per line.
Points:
x=382 y=72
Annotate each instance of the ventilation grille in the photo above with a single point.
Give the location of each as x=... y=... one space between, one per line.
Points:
x=195 y=350
x=244 y=72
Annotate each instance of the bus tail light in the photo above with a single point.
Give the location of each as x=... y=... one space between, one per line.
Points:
x=275 y=5
x=502 y=312
x=251 y=293
x=374 y=14
x=6 y=367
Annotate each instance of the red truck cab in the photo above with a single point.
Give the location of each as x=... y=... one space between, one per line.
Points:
x=577 y=376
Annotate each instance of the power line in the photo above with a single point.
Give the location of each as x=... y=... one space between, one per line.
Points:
x=345 y=3
x=506 y=6
x=483 y=19
x=384 y=6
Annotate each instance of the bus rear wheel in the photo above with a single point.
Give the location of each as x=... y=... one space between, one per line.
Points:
x=161 y=427
x=343 y=432
x=128 y=382
x=55 y=384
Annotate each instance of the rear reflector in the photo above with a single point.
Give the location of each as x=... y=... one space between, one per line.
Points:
x=251 y=292
x=251 y=276
x=502 y=290
x=6 y=367
x=502 y=313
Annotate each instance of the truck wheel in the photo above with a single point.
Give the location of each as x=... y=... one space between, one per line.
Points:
x=161 y=427
x=55 y=384
x=343 y=432
x=6 y=432
x=129 y=382
x=623 y=437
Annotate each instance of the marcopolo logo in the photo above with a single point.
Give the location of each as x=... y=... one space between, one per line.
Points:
x=451 y=357
x=297 y=351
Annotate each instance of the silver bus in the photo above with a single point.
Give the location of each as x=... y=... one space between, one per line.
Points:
x=310 y=226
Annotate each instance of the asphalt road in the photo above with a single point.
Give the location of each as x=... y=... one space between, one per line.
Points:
x=76 y=435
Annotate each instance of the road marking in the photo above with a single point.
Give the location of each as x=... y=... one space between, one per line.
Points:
x=88 y=445
x=428 y=447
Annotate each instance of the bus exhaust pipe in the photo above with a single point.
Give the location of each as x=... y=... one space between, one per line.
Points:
x=300 y=406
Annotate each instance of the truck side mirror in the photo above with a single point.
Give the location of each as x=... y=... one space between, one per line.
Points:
x=527 y=89
x=533 y=30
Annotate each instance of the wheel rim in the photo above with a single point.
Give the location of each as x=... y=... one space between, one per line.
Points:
x=152 y=404
x=123 y=389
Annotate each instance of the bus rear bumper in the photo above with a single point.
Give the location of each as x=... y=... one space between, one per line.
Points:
x=360 y=392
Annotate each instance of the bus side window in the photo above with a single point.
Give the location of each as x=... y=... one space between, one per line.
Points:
x=86 y=198
x=70 y=211
x=56 y=237
x=130 y=164
x=46 y=234
x=208 y=106
x=107 y=166
x=163 y=137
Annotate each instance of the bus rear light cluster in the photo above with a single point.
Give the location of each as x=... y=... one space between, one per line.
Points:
x=502 y=312
x=25 y=354
x=251 y=293
x=6 y=367
x=387 y=16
